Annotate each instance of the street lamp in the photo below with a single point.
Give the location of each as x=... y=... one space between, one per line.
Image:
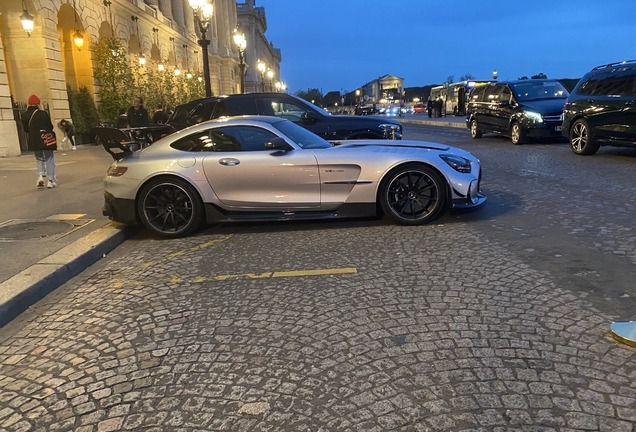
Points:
x=278 y=86
x=241 y=44
x=261 y=68
x=270 y=75
x=494 y=75
x=202 y=14
x=27 y=19
x=358 y=96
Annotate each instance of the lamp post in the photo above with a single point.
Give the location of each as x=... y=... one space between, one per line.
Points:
x=202 y=14
x=261 y=68
x=494 y=75
x=358 y=96
x=241 y=44
x=270 y=75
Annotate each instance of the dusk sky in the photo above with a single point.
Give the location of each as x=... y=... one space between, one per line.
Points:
x=343 y=44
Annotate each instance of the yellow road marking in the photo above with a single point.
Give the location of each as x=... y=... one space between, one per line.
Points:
x=183 y=252
x=266 y=275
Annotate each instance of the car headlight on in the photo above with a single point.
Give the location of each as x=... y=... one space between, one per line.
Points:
x=534 y=116
x=457 y=163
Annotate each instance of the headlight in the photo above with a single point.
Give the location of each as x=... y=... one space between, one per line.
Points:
x=457 y=163
x=534 y=116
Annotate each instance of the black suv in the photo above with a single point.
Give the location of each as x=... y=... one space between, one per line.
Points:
x=602 y=109
x=289 y=107
x=518 y=109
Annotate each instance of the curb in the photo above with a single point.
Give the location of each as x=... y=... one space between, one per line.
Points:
x=456 y=125
x=26 y=288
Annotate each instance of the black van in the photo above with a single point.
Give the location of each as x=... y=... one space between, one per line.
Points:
x=518 y=109
x=602 y=109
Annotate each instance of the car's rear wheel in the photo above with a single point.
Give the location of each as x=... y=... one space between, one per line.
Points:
x=517 y=134
x=413 y=194
x=581 y=140
x=170 y=207
x=475 y=132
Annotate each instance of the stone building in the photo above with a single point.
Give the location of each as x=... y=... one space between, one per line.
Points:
x=253 y=20
x=387 y=87
x=46 y=59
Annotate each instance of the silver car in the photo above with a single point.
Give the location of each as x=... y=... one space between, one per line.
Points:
x=261 y=168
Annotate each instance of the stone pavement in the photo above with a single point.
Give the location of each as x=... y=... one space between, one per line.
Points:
x=49 y=236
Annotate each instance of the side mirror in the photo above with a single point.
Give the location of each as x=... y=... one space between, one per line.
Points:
x=309 y=117
x=278 y=143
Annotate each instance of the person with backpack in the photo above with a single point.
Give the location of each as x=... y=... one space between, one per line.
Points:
x=41 y=141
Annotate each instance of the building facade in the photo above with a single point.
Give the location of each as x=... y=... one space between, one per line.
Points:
x=253 y=21
x=384 y=89
x=47 y=59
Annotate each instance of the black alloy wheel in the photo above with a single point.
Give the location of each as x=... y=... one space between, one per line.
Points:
x=581 y=140
x=475 y=132
x=170 y=207
x=517 y=134
x=413 y=194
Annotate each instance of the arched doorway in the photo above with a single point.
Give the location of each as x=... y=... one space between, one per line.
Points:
x=76 y=61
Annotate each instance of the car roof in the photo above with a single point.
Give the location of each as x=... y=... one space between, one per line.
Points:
x=241 y=119
x=237 y=96
x=537 y=80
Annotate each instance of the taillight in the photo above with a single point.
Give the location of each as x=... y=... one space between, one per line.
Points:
x=116 y=171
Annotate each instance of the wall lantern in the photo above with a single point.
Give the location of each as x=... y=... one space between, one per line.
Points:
x=78 y=40
x=27 y=19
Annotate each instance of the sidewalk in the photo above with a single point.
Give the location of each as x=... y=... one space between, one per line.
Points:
x=48 y=236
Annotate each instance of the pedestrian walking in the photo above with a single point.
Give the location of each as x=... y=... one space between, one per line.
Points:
x=41 y=141
x=160 y=116
x=429 y=107
x=69 y=132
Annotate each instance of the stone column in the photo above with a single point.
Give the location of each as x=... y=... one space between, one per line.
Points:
x=9 y=142
x=189 y=18
x=178 y=12
x=166 y=8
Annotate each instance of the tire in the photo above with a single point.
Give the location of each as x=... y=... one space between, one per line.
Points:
x=170 y=207
x=475 y=132
x=581 y=140
x=517 y=134
x=413 y=194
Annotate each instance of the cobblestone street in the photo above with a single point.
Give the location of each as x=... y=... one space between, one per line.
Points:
x=357 y=325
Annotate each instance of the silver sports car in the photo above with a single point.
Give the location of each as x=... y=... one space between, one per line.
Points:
x=264 y=168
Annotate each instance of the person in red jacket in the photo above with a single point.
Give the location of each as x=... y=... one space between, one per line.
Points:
x=37 y=124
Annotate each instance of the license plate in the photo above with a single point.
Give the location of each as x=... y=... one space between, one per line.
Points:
x=557 y=128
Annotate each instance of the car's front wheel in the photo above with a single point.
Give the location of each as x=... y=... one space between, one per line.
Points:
x=170 y=207
x=413 y=194
x=475 y=132
x=517 y=134
x=581 y=140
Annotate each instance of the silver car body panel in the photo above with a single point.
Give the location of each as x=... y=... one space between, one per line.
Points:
x=295 y=180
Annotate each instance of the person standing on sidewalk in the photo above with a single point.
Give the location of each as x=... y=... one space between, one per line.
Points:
x=37 y=123
x=69 y=131
x=137 y=114
x=429 y=107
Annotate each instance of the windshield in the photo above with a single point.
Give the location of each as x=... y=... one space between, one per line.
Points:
x=301 y=136
x=533 y=90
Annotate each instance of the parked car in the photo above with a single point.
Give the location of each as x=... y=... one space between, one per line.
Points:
x=419 y=108
x=518 y=109
x=281 y=105
x=407 y=109
x=602 y=109
x=267 y=168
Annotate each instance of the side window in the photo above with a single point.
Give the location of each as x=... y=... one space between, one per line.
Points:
x=505 y=94
x=587 y=88
x=202 y=113
x=239 y=106
x=492 y=93
x=195 y=142
x=284 y=109
x=616 y=83
x=240 y=138
x=477 y=94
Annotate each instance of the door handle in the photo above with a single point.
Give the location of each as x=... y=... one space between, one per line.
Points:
x=229 y=161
